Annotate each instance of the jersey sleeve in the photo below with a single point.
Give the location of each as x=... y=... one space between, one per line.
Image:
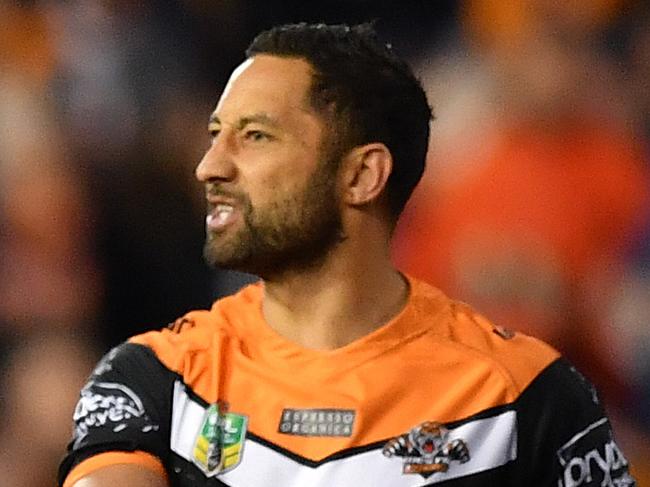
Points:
x=124 y=407
x=564 y=437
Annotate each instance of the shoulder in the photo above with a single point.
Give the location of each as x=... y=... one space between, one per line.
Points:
x=519 y=358
x=197 y=331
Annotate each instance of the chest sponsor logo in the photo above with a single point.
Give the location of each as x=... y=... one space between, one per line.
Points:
x=592 y=458
x=427 y=450
x=219 y=444
x=111 y=405
x=317 y=422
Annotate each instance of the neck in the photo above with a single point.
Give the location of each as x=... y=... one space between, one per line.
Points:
x=355 y=291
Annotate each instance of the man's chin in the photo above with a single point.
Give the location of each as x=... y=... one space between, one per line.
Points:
x=240 y=263
x=223 y=257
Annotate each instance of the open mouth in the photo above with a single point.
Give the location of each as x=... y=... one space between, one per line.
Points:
x=220 y=216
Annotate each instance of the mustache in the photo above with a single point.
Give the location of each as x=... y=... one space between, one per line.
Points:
x=237 y=198
x=216 y=190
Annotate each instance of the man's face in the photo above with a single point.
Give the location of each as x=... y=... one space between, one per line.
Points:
x=270 y=184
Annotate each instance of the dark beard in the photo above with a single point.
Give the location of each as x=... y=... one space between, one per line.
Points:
x=294 y=233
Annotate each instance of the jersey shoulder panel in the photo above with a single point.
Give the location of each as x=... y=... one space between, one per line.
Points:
x=194 y=343
x=187 y=335
x=193 y=331
x=519 y=358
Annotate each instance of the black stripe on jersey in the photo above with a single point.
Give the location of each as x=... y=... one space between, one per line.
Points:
x=540 y=383
x=377 y=445
x=484 y=414
x=186 y=473
x=190 y=392
x=496 y=477
x=348 y=452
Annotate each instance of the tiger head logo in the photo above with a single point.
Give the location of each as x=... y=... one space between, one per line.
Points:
x=426 y=449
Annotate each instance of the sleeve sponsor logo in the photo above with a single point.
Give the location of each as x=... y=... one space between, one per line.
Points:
x=427 y=449
x=106 y=363
x=317 y=422
x=592 y=458
x=107 y=404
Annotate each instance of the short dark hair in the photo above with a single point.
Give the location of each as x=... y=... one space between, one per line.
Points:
x=374 y=94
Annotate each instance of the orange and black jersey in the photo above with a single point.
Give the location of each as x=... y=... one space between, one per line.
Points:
x=438 y=395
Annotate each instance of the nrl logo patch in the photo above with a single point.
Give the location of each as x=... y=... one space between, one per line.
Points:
x=219 y=445
x=426 y=449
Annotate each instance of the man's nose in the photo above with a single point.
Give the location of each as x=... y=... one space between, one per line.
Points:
x=217 y=163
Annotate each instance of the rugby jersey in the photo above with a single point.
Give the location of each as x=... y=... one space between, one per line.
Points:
x=438 y=395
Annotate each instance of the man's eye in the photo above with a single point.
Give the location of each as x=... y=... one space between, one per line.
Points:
x=213 y=133
x=256 y=135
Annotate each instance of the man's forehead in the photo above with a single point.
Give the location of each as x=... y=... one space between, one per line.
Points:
x=268 y=84
x=280 y=67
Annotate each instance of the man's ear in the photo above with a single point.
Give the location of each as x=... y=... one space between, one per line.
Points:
x=366 y=173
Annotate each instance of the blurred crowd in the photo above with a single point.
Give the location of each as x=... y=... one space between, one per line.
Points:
x=535 y=206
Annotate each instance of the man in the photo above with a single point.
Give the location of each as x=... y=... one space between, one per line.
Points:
x=335 y=370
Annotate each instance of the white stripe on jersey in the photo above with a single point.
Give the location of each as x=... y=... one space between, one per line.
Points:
x=492 y=442
x=187 y=419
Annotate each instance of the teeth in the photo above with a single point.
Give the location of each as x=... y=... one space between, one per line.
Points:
x=222 y=207
x=220 y=214
x=223 y=211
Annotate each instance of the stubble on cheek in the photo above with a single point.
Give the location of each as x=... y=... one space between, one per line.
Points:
x=293 y=228
x=230 y=248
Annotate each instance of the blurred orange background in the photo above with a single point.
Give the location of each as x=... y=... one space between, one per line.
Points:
x=535 y=206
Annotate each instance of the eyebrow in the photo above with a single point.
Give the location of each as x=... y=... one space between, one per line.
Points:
x=261 y=117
